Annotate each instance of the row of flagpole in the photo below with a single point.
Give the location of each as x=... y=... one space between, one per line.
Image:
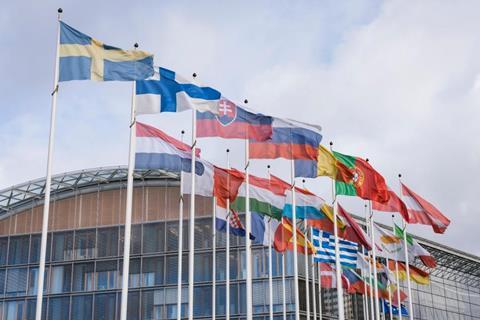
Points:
x=127 y=235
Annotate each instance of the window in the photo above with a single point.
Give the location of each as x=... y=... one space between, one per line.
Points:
x=62 y=246
x=58 y=308
x=203 y=267
x=153 y=305
x=2 y=282
x=133 y=305
x=82 y=307
x=203 y=301
x=135 y=275
x=135 y=239
x=203 y=233
x=60 y=278
x=33 y=281
x=85 y=244
x=172 y=236
x=107 y=275
x=83 y=277
x=105 y=306
x=18 y=253
x=14 y=310
x=153 y=237
x=107 y=242
x=35 y=248
x=16 y=282
x=152 y=271
x=3 y=251
x=31 y=305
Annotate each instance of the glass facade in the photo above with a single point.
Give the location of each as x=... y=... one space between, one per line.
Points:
x=84 y=266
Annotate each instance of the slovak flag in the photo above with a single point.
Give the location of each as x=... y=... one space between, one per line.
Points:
x=234 y=122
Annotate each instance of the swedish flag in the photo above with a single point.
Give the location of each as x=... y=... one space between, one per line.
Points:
x=85 y=58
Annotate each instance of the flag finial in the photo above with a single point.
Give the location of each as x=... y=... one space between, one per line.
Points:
x=399 y=175
x=59 y=10
x=366 y=159
x=183 y=131
x=228 y=150
x=135 y=45
x=331 y=143
x=194 y=75
x=268 y=166
x=245 y=101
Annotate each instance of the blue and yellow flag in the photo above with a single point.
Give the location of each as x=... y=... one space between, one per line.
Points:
x=85 y=58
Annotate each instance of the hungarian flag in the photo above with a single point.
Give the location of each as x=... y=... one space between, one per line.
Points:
x=367 y=183
x=423 y=212
x=394 y=204
x=234 y=122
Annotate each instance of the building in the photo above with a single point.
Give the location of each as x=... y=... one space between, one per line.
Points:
x=85 y=244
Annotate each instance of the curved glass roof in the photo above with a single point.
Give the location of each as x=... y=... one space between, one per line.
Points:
x=19 y=195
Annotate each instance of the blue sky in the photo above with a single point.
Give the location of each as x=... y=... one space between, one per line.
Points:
x=396 y=82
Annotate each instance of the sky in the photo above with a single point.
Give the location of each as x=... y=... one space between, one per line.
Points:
x=397 y=82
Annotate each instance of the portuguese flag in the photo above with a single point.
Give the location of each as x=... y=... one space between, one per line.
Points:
x=366 y=183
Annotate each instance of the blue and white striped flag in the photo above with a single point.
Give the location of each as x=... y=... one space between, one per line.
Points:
x=324 y=243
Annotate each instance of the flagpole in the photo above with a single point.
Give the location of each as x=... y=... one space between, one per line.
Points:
x=48 y=178
x=128 y=208
x=270 y=258
x=320 y=292
x=338 y=268
x=374 y=258
x=214 y=260
x=307 y=285
x=314 y=291
x=191 y=222
x=284 y=295
x=369 y=231
x=366 y=315
x=389 y=291
x=398 y=291
x=407 y=265
x=248 y=227
x=227 y=253
x=180 y=245
x=295 y=249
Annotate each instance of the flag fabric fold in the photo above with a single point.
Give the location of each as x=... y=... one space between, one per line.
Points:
x=284 y=238
x=394 y=204
x=85 y=58
x=415 y=249
x=324 y=243
x=328 y=165
x=423 y=212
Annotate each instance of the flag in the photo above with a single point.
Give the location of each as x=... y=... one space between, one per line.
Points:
x=307 y=204
x=267 y=197
x=324 y=243
x=423 y=212
x=234 y=122
x=284 y=238
x=415 y=249
x=263 y=229
x=328 y=276
x=221 y=218
x=291 y=140
x=356 y=284
x=328 y=165
x=166 y=91
x=416 y=274
x=394 y=204
x=352 y=230
x=391 y=246
x=394 y=309
x=85 y=58
x=367 y=183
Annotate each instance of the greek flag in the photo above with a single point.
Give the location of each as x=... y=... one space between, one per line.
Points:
x=324 y=243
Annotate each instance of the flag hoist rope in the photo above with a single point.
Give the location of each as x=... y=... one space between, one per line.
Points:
x=227 y=245
x=338 y=267
x=180 y=245
x=407 y=266
x=48 y=179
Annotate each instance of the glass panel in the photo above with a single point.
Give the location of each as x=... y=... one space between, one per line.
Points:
x=153 y=237
x=62 y=246
x=85 y=244
x=133 y=310
x=203 y=267
x=135 y=239
x=203 y=233
x=203 y=301
x=171 y=272
x=31 y=305
x=14 y=310
x=60 y=278
x=16 y=281
x=153 y=305
x=18 y=251
x=2 y=282
x=82 y=307
x=83 y=277
x=107 y=275
x=3 y=251
x=153 y=271
x=58 y=308
x=35 y=248
x=107 y=242
x=105 y=306
x=134 y=280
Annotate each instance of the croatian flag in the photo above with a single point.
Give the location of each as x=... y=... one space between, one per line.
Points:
x=157 y=150
x=234 y=122
x=291 y=140
x=166 y=91
x=324 y=243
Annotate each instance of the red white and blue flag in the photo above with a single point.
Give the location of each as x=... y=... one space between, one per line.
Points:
x=234 y=122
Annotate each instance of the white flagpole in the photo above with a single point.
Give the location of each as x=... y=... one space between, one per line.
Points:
x=365 y=294
x=180 y=246
x=374 y=258
x=320 y=292
x=369 y=232
x=284 y=294
x=214 y=260
x=407 y=266
x=338 y=267
x=295 y=249
x=314 y=291
x=48 y=178
x=128 y=208
x=270 y=261
x=227 y=253
x=389 y=291
x=248 y=227
x=191 y=222
x=398 y=291
x=307 y=285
